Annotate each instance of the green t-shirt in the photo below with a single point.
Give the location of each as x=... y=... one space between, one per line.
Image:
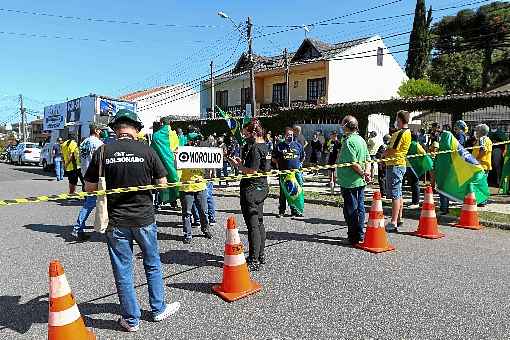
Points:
x=354 y=150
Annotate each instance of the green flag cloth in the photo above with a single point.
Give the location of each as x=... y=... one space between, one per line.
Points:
x=504 y=187
x=419 y=165
x=292 y=186
x=165 y=141
x=458 y=170
x=235 y=125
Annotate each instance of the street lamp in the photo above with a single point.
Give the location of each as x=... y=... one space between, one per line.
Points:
x=249 y=39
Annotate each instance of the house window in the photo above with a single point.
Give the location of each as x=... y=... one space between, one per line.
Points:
x=380 y=55
x=245 y=97
x=316 y=89
x=279 y=93
x=222 y=99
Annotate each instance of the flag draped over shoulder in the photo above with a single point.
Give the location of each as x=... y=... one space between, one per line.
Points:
x=235 y=125
x=292 y=186
x=458 y=170
x=422 y=164
x=165 y=141
x=504 y=187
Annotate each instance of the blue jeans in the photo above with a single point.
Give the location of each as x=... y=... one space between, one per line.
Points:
x=354 y=212
x=211 y=206
x=88 y=206
x=120 y=247
x=59 y=168
x=189 y=202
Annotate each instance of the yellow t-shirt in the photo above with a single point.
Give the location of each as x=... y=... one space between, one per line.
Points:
x=193 y=175
x=399 y=146
x=485 y=160
x=69 y=148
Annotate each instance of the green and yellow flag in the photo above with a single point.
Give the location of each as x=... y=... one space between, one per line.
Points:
x=235 y=125
x=504 y=187
x=292 y=186
x=458 y=170
x=419 y=165
x=165 y=141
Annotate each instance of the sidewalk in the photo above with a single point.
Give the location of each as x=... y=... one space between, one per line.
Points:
x=317 y=191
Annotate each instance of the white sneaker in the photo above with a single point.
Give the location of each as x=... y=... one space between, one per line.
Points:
x=124 y=324
x=169 y=310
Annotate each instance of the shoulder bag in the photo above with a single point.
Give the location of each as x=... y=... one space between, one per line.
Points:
x=101 y=219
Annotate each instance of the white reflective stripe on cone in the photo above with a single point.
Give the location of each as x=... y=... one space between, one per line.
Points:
x=232 y=237
x=376 y=223
x=58 y=319
x=378 y=205
x=428 y=213
x=234 y=260
x=59 y=286
x=428 y=198
x=469 y=207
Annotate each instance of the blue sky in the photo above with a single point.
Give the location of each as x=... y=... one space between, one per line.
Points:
x=49 y=70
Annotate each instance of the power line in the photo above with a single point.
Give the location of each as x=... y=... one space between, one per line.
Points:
x=48 y=36
x=108 y=21
x=345 y=57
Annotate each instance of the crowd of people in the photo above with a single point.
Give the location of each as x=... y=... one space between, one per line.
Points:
x=126 y=160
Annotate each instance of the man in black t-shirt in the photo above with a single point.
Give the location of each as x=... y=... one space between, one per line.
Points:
x=127 y=163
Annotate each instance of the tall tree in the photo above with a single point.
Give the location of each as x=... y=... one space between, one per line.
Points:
x=472 y=48
x=418 y=56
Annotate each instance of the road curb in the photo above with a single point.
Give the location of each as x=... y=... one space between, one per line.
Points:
x=414 y=214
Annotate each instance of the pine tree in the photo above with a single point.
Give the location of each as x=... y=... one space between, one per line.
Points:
x=418 y=56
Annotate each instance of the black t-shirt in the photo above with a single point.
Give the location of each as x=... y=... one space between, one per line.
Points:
x=256 y=156
x=128 y=163
x=333 y=153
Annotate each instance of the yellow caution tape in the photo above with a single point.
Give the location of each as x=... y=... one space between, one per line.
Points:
x=272 y=173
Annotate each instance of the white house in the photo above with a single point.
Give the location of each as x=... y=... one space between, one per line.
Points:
x=179 y=101
x=319 y=72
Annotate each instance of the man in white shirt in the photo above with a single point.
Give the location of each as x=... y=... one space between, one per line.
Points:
x=87 y=149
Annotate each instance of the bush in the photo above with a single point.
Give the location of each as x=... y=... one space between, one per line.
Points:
x=419 y=88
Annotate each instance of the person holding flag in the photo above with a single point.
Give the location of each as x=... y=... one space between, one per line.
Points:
x=253 y=191
x=417 y=167
x=483 y=150
x=165 y=142
x=290 y=155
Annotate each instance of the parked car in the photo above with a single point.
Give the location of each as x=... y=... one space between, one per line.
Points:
x=46 y=157
x=26 y=153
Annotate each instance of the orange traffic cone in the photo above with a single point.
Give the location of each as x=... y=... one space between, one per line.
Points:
x=469 y=212
x=376 y=240
x=64 y=319
x=427 y=228
x=236 y=282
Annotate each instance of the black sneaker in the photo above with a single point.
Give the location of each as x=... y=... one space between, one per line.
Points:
x=207 y=234
x=195 y=224
x=80 y=237
x=262 y=259
x=186 y=240
x=298 y=215
x=253 y=266
x=280 y=215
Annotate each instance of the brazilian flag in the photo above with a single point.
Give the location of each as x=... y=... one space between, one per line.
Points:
x=457 y=171
x=165 y=141
x=235 y=125
x=420 y=165
x=292 y=186
x=505 y=174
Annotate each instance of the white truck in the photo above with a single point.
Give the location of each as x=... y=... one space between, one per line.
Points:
x=74 y=116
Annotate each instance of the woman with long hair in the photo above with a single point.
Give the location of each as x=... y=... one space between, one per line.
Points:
x=253 y=191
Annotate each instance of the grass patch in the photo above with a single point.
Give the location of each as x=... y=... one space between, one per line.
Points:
x=485 y=216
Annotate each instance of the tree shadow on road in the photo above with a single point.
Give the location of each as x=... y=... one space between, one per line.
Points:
x=20 y=317
x=201 y=287
x=63 y=232
x=191 y=258
x=35 y=171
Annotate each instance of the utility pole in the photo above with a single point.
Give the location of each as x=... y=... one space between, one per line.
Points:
x=252 y=65
x=287 y=77
x=213 y=115
x=23 y=119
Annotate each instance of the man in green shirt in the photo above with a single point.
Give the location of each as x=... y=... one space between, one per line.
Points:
x=352 y=179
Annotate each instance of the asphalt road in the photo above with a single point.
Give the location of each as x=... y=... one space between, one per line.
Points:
x=314 y=287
